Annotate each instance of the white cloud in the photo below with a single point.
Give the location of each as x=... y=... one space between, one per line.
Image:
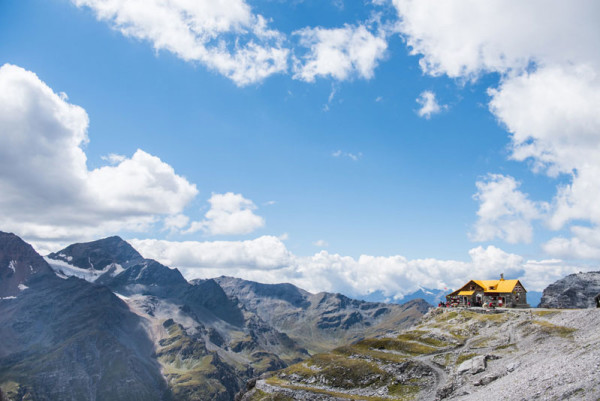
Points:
x=352 y=156
x=539 y=274
x=340 y=53
x=429 y=105
x=585 y=244
x=464 y=38
x=263 y=254
x=175 y=223
x=504 y=211
x=552 y=116
x=48 y=191
x=224 y=35
x=266 y=259
x=229 y=214
x=321 y=243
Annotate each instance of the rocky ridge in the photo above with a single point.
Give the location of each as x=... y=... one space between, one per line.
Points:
x=457 y=355
x=578 y=290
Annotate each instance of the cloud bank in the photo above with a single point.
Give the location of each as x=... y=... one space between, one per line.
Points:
x=267 y=259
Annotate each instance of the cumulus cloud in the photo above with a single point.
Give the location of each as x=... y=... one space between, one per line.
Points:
x=47 y=190
x=225 y=36
x=429 y=105
x=266 y=259
x=229 y=214
x=339 y=53
x=552 y=117
x=465 y=38
x=321 y=243
x=504 y=211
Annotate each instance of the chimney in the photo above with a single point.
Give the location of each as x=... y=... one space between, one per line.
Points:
x=501 y=276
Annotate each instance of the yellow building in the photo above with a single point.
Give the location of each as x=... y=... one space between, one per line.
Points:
x=502 y=293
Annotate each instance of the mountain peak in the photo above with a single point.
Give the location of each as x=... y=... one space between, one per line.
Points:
x=98 y=254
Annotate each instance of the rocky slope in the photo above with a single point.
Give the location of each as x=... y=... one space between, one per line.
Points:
x=457 y=355
x=323 y=321
x=574 y=291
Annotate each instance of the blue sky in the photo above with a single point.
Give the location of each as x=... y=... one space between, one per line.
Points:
x=309 y=148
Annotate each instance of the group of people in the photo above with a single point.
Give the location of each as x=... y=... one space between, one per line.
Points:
x=454 y=304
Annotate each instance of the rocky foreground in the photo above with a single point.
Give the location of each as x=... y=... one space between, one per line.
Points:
x=459 y=355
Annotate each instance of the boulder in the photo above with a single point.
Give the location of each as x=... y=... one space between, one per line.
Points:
x=474 y=365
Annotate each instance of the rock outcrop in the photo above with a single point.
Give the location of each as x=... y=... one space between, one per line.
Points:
x=574 y=291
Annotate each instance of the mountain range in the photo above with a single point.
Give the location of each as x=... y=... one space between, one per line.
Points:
x=98 y=321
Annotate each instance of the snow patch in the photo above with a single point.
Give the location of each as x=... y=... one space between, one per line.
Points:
x=12 y=265
x=60 y=275
x=91 y=275
x=13 y=297
x=118 y=269
x=22 y=287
